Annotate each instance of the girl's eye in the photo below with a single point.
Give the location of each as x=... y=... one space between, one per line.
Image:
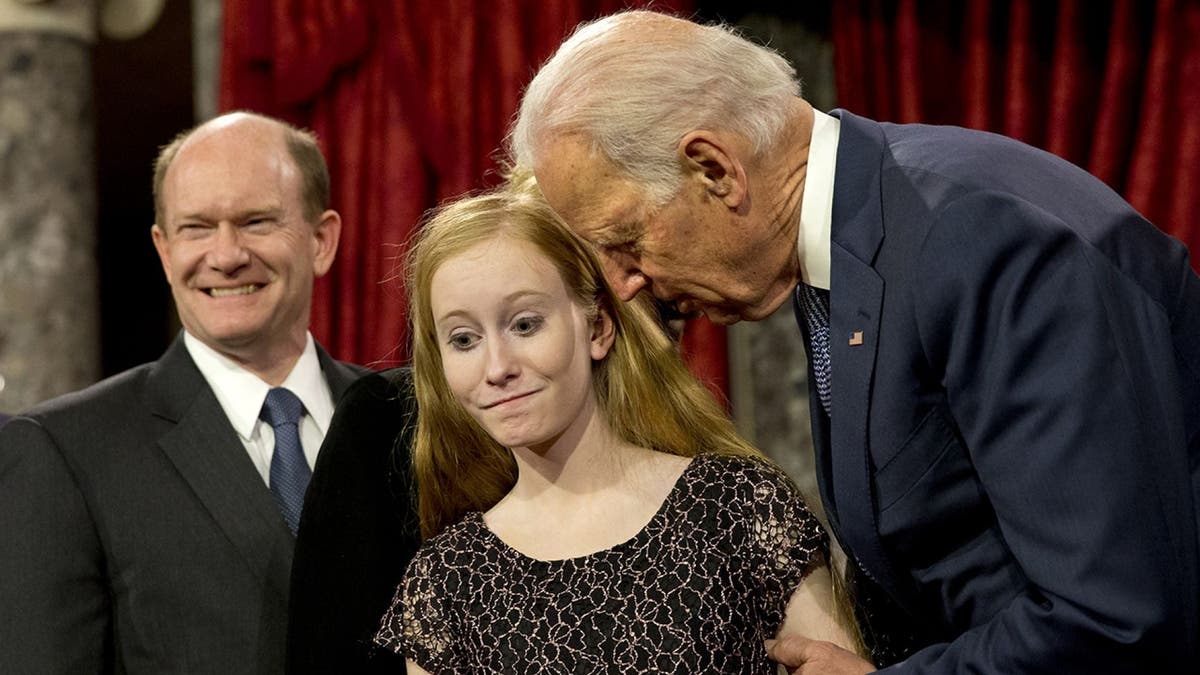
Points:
x=527 y=325
x=462 y=341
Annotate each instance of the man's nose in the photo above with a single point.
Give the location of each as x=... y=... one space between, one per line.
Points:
x=625 y=277
x=228 y=253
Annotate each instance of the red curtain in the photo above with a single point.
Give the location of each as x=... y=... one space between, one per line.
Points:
x=411 y=101
x=1111 y=85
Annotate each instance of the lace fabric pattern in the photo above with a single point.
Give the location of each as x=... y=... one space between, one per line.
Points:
x=697 y=590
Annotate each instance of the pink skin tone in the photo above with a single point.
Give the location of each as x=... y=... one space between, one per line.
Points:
x=710 y=248
x=236 y=249
x=516 y=348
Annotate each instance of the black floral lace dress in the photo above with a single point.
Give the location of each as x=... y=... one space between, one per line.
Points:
x=695 y=591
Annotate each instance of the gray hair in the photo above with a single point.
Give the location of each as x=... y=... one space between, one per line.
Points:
x=634 y=85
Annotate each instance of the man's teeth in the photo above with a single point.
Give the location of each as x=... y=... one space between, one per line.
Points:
x=237 y=290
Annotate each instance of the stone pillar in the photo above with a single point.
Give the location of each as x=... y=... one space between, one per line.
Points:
x=206 y=56
x=49 y=314
x=49 y=332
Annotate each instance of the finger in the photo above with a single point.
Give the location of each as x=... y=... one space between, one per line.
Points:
x=790 y=651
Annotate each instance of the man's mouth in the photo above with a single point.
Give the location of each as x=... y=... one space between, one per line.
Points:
x=247 y=289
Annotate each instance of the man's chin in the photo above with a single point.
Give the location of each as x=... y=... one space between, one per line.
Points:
x=720 y=315
x=724 y=315
x=227 y=339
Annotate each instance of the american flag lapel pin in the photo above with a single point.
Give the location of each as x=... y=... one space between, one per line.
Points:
x=856 y=338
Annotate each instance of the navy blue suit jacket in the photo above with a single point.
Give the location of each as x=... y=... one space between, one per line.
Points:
x=1014 y=444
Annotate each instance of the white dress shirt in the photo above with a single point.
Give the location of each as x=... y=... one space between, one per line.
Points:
x=816 y=205
x=241 y=395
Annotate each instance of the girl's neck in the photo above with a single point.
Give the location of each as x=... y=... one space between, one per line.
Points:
x=586 y=458
x=579 y=497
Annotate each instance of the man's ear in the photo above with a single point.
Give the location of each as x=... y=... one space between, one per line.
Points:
x=326 y=234
x=159 y=236
x=708 y=157
x=604 y=330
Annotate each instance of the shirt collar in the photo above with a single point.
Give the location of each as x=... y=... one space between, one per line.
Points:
x=816 y=203
x=242 y=393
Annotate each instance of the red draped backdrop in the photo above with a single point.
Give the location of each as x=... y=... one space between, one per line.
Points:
x=1111 y=85
x=411 y=100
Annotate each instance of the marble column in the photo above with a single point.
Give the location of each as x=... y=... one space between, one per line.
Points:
x=49 y=335
x=49 y=314
x=206 y=56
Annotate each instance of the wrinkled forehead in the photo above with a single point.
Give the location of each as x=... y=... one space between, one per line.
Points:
x=227 y=169
x=590 y=193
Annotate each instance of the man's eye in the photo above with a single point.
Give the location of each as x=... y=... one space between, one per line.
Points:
x=191 y=229
x=527 y=325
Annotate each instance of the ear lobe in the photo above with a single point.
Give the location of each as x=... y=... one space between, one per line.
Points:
x=706 y=158
x=604 y=332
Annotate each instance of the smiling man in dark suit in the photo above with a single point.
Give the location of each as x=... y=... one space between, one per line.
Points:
x=148 y=520
x=1004 y=356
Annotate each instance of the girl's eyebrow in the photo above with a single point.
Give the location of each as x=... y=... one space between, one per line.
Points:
x=510 y=298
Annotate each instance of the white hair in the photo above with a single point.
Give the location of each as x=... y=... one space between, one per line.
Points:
x=634 y=85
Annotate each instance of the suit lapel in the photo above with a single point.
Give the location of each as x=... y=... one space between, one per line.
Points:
x=339 y=375
x=212 y=460
x=856 y=299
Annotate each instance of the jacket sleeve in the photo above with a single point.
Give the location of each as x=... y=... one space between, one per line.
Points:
x=56 y=616
x=357 y=533
x=1059 y=370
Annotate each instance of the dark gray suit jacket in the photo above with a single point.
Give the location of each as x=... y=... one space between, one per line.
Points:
x=138 y=535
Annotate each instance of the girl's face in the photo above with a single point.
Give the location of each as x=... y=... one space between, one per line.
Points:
x=516 y=347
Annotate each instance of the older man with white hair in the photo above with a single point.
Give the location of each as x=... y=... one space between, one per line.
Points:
x=1004 y=356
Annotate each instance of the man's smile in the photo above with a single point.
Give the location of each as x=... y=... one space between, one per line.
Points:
x=245 y=289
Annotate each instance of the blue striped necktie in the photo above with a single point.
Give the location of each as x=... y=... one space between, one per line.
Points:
x=814 y=306
x=289 y=468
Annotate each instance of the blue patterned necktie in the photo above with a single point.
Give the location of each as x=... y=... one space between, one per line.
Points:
x=814 y=306
x=289 y=468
